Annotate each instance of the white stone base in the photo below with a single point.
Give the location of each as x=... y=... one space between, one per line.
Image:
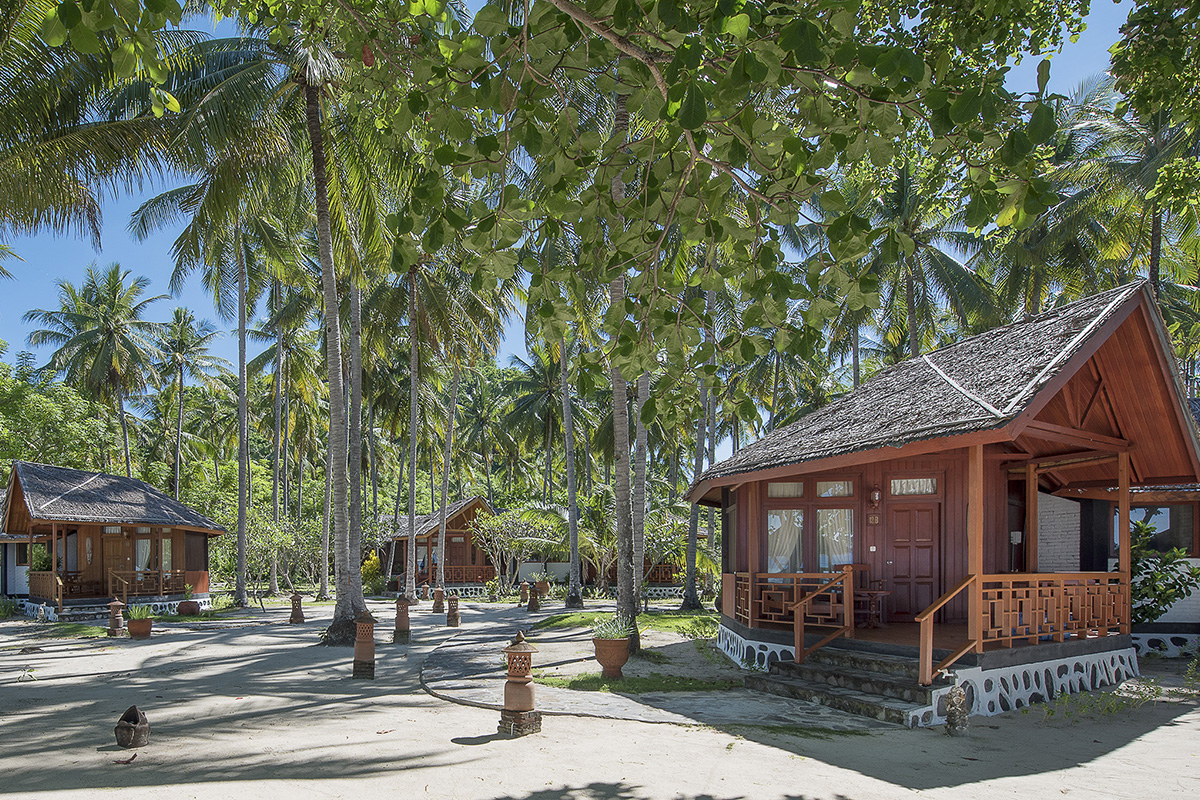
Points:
x=989 y=692
x=1167 y=645
x=157 y=606
x=663 y=591
x=467 y=590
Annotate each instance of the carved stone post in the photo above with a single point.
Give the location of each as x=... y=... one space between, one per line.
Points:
x=403 y=633
x=115 y=621
x=519 y=717
x=297 y=617
x=452 y=617
x=364 y=647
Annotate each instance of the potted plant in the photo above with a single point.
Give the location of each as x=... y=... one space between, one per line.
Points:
x=492 y=588
x=140 y=619
x=187 y=606
x=541 y=582
x=610 y=635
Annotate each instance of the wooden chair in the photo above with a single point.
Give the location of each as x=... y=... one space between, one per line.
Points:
x=869 y=596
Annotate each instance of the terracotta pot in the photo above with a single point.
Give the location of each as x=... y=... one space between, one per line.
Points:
x=139 y=628
x=188 y=608
x=612 y=655
x=543 y=588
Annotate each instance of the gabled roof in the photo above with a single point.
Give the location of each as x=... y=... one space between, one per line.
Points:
x=72 y=495
x=979 y=384
x=428 y=523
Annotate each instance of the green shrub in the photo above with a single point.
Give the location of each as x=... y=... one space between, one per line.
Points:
x=612 y=627
x=8 y=608
x=373 y=579
x=1158 y=579
x=139 y=612
x=221 y=601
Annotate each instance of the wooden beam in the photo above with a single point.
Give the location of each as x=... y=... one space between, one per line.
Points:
x=1168 y=480
x=1061 y=433
x=975 y=518
x=1124 y=563
x=1031 y=518
x=1086 y=462
x=1064 y=460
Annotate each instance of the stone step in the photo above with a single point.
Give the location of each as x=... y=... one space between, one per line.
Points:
x=899 y=687
x=865 y=704
x=866 y=661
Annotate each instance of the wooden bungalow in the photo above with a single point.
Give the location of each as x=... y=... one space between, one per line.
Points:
x=915 y=504
x=106 y=536
x=466 y=564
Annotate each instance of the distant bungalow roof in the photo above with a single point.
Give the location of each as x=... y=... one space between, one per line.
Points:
x=428 y=523
x=979 y=384
x=72 y=495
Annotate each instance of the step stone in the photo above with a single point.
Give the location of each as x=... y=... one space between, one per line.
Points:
x=865 y=681
x=866 y=661
x=865 y=704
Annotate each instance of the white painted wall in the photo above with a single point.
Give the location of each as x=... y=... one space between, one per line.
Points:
x=561 y=570
x=17 y=579
x=1058 y=534
x=1187 y=609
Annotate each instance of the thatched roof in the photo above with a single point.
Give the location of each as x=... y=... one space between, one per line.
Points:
x=978 y=384
x=428 y=523
x=74 y=495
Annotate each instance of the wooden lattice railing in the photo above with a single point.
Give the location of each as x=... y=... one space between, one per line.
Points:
x=1054 y=606
x=122 y=582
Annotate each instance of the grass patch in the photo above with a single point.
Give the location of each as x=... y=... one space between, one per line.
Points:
x=653 y=656
x=693 y=624
x=798 y=731
x=70 y=630
x=594 y=682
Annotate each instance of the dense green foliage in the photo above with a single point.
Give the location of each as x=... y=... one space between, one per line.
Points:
x=1158 y=579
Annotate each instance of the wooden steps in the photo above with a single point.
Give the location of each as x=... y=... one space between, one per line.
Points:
x=878 y=686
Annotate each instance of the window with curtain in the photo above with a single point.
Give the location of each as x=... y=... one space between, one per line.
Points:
x=835 y=537
x=792 y=489
x=141 y=555
x=785 y=527
x=166 y=555
x=835 y=488
x=903 y=487
x=109 y=529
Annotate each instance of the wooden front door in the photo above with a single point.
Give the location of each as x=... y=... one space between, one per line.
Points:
x=912 y=558
x=114 y=557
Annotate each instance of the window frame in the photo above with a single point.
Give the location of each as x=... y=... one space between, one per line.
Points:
x=810 y=504
x=1193 y=550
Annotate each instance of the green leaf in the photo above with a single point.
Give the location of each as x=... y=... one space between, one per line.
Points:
x=84 y=40
x=54 y=33
x=124 y=60
x=649 y=411
x=1043 y=77
x=69 y=14
x=803 y=39
x=1042 y=124
x=966 y=107
x=693 y=112
x=490 y=20
x=738 y=26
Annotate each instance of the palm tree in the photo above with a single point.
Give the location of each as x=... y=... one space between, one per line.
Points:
x=104 y=345
x=184 y=352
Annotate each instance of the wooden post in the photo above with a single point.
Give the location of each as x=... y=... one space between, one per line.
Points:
x=1124 y=556
x=57 y=597
x=1031 y=518
x=755 y=524
x=975 y=545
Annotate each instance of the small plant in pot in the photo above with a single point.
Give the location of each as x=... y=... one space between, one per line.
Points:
x=541 y=582
x=610 y=635
x=492 y=588
x=187 y=606
x=140 y=618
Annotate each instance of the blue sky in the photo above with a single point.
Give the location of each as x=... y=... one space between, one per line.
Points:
x=48 y=259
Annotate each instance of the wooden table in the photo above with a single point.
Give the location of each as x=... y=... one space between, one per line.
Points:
x=874 y=599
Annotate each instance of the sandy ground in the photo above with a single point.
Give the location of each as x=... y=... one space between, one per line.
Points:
x=257 y=711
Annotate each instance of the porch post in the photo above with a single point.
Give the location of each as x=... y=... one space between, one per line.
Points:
x=1124 y=556
x=754 y=514
x=1031 y=518
x=54 y=549
x=975 y=545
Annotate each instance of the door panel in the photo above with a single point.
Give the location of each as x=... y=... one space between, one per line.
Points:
x=114 y=556
x=913 y=534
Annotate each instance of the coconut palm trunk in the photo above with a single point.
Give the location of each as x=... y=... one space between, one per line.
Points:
x=641 y=454
x=410 y=571
x=178 y=427
x=354 y=457
x=691 y=600
x=914 y=340
x=275 y=445
x=450 y=415
x=323 y=593
x=342 y=629
x=574 y=582
x=124 y=430
x=626 y=599
x=240 y=596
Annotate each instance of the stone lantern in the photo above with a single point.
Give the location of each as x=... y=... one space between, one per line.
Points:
x=297 y=610
x=439 y=598
x=452 y=616
x=115 y=620
x=534 y=603
x=364 y=647
x=518 y=718
x=524 y=592
x=424 y=591
x=403 y=626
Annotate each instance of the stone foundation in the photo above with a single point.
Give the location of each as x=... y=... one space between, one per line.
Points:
x=519 y=723
x=158 y=605
x=1167 y=645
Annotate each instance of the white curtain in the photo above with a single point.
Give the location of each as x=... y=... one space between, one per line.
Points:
x=835 y=537
x=784 y=529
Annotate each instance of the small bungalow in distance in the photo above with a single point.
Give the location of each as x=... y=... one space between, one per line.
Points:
x=467 y=568
x=104 y=536
x=920 y=505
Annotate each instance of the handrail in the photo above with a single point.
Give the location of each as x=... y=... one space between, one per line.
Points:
x=124 y=586
x=927 y=671
x=845 y=629
x=946 y=598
